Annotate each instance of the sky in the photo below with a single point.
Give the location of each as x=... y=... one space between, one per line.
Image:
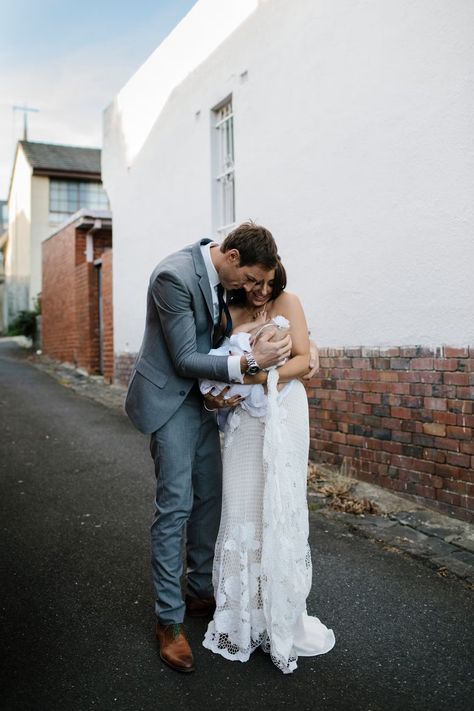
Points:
x=68 y=59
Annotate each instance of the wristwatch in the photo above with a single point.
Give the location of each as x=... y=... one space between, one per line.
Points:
x=253 y=367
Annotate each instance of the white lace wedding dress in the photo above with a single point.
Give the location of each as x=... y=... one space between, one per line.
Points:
x=262 y=565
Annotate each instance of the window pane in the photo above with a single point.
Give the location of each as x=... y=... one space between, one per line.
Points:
x=68 y=196
x=225 y=166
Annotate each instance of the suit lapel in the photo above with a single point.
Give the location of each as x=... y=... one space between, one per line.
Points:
x=201 y=271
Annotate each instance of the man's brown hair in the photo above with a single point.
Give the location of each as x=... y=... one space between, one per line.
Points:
x=255 y=244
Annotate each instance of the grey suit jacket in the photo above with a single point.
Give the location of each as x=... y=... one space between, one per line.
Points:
x=177 y=339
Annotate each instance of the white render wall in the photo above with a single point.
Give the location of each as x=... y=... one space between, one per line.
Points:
x=354 y=145
x=17 y=254
x=41 y=229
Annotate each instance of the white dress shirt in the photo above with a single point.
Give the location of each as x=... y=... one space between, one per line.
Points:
x=233 y=361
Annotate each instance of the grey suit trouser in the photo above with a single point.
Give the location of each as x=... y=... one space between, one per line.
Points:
x=186 y=452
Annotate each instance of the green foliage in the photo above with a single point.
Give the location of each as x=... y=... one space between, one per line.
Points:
x=23 y=325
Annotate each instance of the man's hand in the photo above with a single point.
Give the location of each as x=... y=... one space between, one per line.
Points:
x=313 y=360
x=268 y=353
x=213 y=402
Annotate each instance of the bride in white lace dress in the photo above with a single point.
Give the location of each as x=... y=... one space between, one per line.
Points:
x=262 y=565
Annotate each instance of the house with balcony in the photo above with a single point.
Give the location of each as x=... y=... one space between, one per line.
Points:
x=49 y=183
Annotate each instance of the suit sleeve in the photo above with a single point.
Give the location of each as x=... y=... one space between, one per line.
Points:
x=175 y=310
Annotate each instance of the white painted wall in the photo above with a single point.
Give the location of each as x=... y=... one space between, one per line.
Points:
x=354 y=145
x=17 y=253
x=41 y=229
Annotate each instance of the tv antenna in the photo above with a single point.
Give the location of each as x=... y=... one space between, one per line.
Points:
x=26 y=110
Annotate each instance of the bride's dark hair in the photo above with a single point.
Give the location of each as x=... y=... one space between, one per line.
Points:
x=238 y=296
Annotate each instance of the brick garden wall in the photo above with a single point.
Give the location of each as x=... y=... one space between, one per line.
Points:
x=59 y=338
x=87 y=317
x=401 y=418
x=108 y=315
x=123 y=367
x=70 y=302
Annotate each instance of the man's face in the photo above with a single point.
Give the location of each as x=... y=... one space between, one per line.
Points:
x=233 y=276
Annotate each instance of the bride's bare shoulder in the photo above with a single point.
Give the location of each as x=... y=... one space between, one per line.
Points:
x=285 y=301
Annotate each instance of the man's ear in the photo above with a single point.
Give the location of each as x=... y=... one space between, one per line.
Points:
x=233 y=257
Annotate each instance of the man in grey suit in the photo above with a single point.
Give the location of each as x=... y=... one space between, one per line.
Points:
x=184 y=311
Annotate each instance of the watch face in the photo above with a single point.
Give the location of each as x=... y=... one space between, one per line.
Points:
x=253 y=370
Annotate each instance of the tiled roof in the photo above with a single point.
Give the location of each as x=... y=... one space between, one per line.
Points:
x=48 y=156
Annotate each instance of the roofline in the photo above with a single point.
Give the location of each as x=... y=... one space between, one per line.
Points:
x=47 y=172
x=61 y=173
x=86 y=219
x=13 y=170
x=61 y=145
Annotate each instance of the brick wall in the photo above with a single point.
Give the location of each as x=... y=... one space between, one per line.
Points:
x=70 y=302
x=108 y=315
x=87 y=318
x=401 y=418
x=123 y=367
x=58 y=297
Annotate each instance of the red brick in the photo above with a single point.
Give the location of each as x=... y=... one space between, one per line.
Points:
x=388 y=376
x=460 y=433
x=364 y=409
x=420 y=389
x=457 y=459
x=403 y=413
x=420 y=376
x=391 y=423
x=373 y=398
x=437 y=482
x=448 y=498
x=456 y=352
x=394 y=447
x=467 y=447
x=465 y=393
x=435 y=403
x=452 y=444
x=422 y=364
x=445 y=470
x=434 y=455
x=338 y=437
x=362 y=363
x=428 y=492
x=456 y=378
x=463 y=407
x=435 y=429
x=444 y=418
x=425 y=466
x=456 y=486
x=445 y=363
x=408 y=475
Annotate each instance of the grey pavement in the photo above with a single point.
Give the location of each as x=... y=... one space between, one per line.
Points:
x=77 y=608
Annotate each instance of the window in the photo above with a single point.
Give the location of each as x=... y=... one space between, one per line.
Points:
x=68 y=196
x=225 y=177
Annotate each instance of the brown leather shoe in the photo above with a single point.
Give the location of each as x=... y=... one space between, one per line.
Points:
x=174 y=647
x=200 y=606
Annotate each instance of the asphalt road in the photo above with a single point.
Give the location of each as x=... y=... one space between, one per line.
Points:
x=77 y=606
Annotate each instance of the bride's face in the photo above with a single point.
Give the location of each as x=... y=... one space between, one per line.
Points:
x=262 y=291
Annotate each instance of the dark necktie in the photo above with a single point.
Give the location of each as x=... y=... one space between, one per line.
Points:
x=223 y=308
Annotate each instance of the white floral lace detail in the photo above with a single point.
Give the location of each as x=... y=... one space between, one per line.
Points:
x=262 y=565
